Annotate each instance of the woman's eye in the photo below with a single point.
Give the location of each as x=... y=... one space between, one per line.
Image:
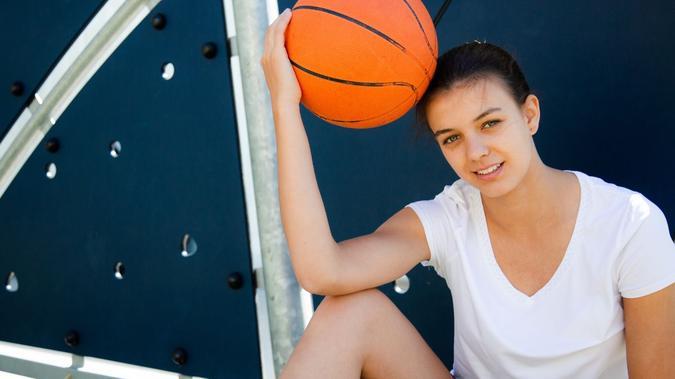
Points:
x=491 y=123
x=450 y=139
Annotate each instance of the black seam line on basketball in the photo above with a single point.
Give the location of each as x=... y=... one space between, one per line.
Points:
x=426 y=39
x=353 y=20
x=344 y=81
x=369 y=28
x=369 y=118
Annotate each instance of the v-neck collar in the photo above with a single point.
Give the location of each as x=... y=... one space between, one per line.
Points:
x=484 y=238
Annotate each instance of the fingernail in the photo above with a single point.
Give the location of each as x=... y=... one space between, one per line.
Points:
x=286 y=10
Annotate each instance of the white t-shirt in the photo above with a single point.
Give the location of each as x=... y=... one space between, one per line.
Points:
x=573 y=326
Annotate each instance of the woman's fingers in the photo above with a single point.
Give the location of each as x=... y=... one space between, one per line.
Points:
x=279 y=74
x=274 y=36
x=277 y=30
x=282 y=22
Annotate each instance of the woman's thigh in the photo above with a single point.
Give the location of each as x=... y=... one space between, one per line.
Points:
x=365 y=334
x=395 y=349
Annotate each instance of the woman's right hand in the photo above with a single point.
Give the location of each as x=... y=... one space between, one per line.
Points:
x=279 y=74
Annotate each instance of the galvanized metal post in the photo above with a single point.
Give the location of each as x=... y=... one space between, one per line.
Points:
x=281 y=287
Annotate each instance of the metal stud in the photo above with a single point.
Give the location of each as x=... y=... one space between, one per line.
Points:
x=16 y=89
x=159 y=21
x=235 y=281
x=179 y=356
x=209 y=50
x=72 y=339
x=53 y=145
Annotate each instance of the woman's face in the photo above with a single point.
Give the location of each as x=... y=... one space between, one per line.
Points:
x=479 y=126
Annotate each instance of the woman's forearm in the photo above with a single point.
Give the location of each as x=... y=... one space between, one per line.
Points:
x=311 y=244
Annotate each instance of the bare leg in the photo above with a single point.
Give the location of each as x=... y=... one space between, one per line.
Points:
x=362 y=335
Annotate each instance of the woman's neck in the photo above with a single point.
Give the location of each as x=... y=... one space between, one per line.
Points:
x=538 y=203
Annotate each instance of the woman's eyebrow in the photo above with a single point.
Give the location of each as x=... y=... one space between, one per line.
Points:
x=487 y=112
x=439 y=132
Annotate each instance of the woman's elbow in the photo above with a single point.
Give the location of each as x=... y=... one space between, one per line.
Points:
x=318 y=275
x=322 y=285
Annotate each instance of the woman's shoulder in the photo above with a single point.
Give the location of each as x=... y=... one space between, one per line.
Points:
x=605 y=193
x=610 y=203
x=454 y=201
x=459 y=192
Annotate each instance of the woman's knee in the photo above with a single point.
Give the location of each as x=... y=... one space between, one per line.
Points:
x=362 y=307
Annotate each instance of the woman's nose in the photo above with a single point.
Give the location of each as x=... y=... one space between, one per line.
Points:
x=476 y=148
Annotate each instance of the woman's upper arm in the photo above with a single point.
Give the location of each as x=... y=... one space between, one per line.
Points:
x=380 y=257
x=650 y=334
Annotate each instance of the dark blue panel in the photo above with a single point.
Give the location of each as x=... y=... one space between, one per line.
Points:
x=604 y=73
x=34 y=34
x=178 y=172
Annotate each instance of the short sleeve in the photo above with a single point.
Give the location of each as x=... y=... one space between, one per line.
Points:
x=647 y=262
x=437 y=230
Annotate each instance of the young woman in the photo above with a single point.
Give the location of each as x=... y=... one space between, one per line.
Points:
x=554 y=273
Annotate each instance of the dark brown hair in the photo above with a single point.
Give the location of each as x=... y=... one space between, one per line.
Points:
x=472 y=61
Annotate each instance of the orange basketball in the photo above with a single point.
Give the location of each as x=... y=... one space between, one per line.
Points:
x=361 y=63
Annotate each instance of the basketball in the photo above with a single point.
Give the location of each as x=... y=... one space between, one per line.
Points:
x=361 y=63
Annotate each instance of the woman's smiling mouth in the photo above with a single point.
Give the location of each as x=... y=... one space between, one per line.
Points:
x=490 y=172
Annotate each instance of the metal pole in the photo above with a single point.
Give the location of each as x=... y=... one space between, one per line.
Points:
x=281 y=287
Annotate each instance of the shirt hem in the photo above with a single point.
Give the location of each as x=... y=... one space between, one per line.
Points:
x=648 y=290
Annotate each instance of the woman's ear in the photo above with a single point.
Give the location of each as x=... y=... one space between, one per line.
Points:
x=530 y=109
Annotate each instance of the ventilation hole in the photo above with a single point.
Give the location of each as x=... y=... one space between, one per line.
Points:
x=189 y=246
x=168 y=71
x=50 y=171
x=12 y=282
x=402 y=284
x=115 y=149
x=120 y=270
